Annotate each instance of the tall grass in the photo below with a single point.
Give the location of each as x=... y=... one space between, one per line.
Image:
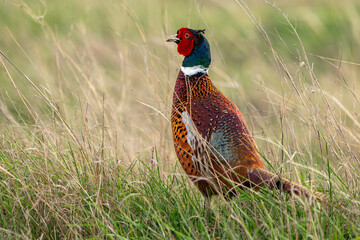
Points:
x=86 y=149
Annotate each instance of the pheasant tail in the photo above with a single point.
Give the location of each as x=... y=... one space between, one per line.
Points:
x=259 y=176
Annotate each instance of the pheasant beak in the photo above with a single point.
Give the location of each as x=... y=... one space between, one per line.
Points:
x=173 y=38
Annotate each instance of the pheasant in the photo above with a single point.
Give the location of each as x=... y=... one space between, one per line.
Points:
x=211 y=138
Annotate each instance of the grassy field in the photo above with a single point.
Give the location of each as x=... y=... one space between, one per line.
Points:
x=85 y=144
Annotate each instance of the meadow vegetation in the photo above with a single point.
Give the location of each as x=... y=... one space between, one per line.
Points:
x=85 y=96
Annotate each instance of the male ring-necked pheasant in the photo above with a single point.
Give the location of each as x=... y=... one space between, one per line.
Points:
x=211 y=139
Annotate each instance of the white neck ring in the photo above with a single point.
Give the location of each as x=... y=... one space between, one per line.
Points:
x=189 y=71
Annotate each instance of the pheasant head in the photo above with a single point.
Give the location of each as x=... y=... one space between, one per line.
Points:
x=194 y=46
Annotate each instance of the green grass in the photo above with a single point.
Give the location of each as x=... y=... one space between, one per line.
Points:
x=54 y=201
x=85 y=145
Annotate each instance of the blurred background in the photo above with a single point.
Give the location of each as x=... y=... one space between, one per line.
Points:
x=105 y=65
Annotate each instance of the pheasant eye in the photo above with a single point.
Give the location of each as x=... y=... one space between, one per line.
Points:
x=187 y=35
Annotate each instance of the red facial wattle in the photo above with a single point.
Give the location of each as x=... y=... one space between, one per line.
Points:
x=186 y=43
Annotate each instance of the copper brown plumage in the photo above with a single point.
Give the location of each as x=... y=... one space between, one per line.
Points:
x=211 y=139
